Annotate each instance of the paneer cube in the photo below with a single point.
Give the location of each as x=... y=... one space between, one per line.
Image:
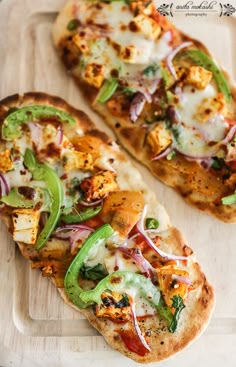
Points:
x=6 y=163
x=77 y=160
x=159 y=139
x=210 y=107
x=145 y=25
x=198 y=77
x=141 y=7
x=99 y=185
x=25 y=225
x=180 y=72
x=87 y=143
x=81 y=43
x=129 y=54
x=123 y=209
x=169 y=278
x=115 y=307
x=94 y=74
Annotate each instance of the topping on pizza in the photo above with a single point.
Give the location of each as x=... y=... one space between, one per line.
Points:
x=94 y=232
x=164 y=95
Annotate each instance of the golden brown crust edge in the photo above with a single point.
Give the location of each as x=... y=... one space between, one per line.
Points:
x=37 y=98
x=132 y=139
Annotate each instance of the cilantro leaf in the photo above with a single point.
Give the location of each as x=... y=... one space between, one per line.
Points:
x=151 y=70
x=96 y=272
x=179 y=306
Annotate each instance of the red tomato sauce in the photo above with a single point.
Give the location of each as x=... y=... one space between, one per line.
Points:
x=132 y=342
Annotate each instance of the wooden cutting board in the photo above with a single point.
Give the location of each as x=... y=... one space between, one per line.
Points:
x=36 y=327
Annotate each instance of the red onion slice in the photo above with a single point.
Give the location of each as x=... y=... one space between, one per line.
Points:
x=137 y=328
x=172 y=54
x=164 y=255
x=137 y=105
x=68 y=230
x=78 y=235
x=164 y=153
x=134 y=236
x=230 y=135
x=143 y=265
x=74 y=227
x=152 y=87
x=167 y=36
x=4 y=187
x=206 y=163
x=182 y=279
x=59 y=134
x=92 y=203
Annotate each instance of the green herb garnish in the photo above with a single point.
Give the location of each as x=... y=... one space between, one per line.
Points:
x=128 y=90
x=124 y=302
x=107 y=90
x=217 y=163
x=152 y=223
x=179 y=306
x=73 y=24
x=171 y=155
x=229 y=200
x=165 y=76
x=97 y=272
x=151 y=70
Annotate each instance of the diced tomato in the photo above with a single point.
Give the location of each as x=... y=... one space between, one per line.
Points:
x=132 y=342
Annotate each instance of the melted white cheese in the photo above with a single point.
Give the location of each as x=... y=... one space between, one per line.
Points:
x=116 y=262
x=97 y=254
x=105 y=161
x=191 y=99
x=194 y=135
x=162 y=48
x=18 y=177
x=143 y=307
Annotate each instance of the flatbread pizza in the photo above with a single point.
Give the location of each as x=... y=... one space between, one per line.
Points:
x=81 y=214
x=166 y=98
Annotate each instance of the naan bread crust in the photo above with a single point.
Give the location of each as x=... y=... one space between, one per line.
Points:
x=184 y=177
x=200 y=302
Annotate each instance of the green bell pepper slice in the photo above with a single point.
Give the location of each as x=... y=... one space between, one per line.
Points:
x=11 y=125
x=200 y=58
x=17 y=200
x=44 y=173
x=81 y=216
x=108 y=89
x=72 y=288
x=229 y=200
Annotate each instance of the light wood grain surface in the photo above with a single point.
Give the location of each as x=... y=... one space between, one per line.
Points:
x=36 y=327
